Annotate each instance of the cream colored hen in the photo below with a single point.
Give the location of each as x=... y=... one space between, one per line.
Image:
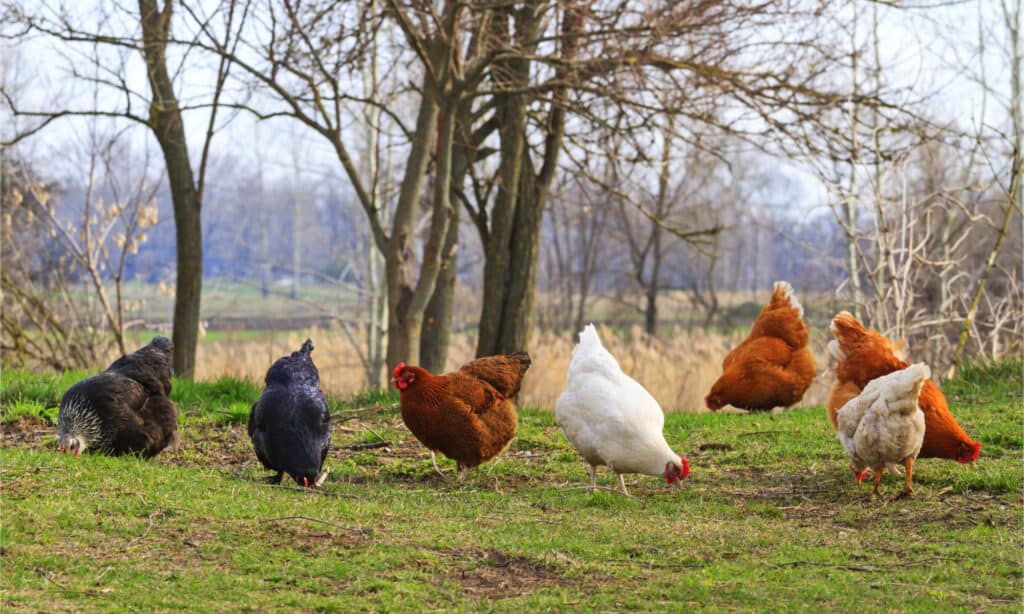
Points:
x=883 y=425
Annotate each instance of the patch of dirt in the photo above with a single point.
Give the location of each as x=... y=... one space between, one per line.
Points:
x=493 y=574
x=30 y=432
x=205 y=445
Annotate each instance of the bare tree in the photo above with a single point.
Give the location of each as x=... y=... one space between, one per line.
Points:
x=65 y=262
x=164 y=119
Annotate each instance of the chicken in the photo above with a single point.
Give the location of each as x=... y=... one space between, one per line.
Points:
x=883 y=425
x=612 y=420
x=124 y=410
x=290 y=424
x=773 y=367
x=863 y=355
x=468 y=415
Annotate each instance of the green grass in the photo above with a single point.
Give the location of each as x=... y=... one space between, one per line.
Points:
x=771 y=519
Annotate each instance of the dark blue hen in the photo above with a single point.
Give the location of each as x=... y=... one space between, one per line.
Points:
x=290 y=425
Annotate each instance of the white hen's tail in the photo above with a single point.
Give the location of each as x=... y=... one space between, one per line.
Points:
x=904 y=387
x=590 y=356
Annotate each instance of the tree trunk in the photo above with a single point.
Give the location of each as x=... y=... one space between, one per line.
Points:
x=516 y=305
x=437 y=320
x=403 y=327
x=510 y=267
x=498 y=257
x=167 y=126
x=297 y=199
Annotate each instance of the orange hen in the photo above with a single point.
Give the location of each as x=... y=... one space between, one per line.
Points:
x=773 y=366
x=863 y=355
x=468 y=415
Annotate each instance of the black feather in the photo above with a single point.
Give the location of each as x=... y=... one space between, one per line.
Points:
x=126 y=409
x=290 y=424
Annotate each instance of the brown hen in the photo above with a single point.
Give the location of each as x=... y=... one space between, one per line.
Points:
x=773 y=366
x=468 y=415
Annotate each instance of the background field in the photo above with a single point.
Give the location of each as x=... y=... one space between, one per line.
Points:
x=769 y=517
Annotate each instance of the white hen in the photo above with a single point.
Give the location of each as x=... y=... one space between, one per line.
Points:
x=612 y=420
x=883 y=425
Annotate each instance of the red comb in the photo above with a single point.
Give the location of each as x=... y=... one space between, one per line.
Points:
x=398 y=369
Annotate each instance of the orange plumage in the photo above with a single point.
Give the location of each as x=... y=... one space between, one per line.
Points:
x=468 y=415
x=773 y=367
x=863 y=355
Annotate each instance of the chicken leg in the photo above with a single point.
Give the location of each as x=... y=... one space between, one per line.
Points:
x=433 y=461
x=878 y=480
x=622 y=484
x=908 y=489
x=463 y=470
x=593 y=478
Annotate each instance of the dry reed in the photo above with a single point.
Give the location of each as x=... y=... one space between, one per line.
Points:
x=678 y=369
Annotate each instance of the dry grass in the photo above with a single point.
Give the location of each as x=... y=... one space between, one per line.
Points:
x=678 y=369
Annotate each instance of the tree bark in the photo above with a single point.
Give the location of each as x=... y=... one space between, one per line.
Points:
x=510 y=267
x=166 y=123
x=437 y=320
x=403 y=326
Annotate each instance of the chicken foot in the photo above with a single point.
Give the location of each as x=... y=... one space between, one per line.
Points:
x=878 y=480
x=463 y=470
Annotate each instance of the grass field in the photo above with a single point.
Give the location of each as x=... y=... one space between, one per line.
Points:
x=770 y=518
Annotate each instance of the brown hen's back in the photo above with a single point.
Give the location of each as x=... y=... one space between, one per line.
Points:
x=773 y=366
x=468 y=415
x=504 y=371
x=863 y=355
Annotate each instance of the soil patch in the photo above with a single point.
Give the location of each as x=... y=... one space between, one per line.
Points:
x=493 y=574
x=30 y=432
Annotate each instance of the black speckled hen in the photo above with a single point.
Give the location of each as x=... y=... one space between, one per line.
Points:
x=290 y=425
x=124 y=410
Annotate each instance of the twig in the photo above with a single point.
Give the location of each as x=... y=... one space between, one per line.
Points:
x=862 y=567
x=353 y=414
x=144 y=533
x=311 y=519
x=749 y=433
x=312 y=491
x=46 y=576
x=608 y=488
x=377 y=434
x=365 y=446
